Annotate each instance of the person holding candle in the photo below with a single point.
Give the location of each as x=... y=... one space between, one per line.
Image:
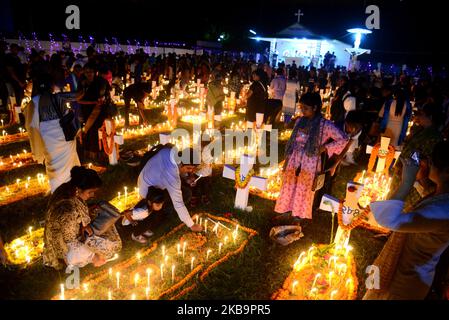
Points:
x=68 y=237
x=145 y=215
x=47 y=139
x=311 y=137
x=408 y=261
x=163 y=167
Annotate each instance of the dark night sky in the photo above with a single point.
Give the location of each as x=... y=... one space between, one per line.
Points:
x=408 y=29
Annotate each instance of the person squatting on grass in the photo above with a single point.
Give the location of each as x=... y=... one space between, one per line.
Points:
x=68 y=236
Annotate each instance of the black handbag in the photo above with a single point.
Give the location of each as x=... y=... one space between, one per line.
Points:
x=69 y=122
x=107 y=216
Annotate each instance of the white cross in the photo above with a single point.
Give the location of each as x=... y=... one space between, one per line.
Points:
x=351 y=207
x=384 y=142
x=299 y=14
x=241 y=197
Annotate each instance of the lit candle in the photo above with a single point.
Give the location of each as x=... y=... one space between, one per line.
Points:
x=126 y=194
x=348 y=282
x=184 y=248
x=149 y=271
x=216 y=229
x=298 y=262
x=117 y=276
x=197 y=218
x=147 y=292
x=316 y=278
x=178 y=246
x=331 y=274
x=173 y=273
x=191 y=263
x=208 y=253
x=30 y=230
x=234 y=236
x=62 y=286
x=163 y=251
x=219 y=247
x=333 y=293
x=162 y=271
x=333 y=258
x=310 y=253
x=225 y=240
x=201 y=221
x=295 y=283
x=86 y=287
x=136 y=279
x=205 y=225
x=109 y=295
x=133 y=296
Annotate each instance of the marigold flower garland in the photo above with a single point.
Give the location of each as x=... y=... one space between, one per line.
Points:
x=243 y=184
x=375 y=154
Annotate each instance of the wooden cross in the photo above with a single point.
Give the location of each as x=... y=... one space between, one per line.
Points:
x=350 y=209
x=384 y=143
x=299 y=14
x=241 y=197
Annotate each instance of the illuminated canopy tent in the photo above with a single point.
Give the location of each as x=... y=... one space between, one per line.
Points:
x=296 y=43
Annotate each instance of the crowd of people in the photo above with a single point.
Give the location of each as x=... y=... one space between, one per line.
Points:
x=362 y=107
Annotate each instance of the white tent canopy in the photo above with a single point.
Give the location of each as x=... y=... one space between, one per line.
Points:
x=296 y=43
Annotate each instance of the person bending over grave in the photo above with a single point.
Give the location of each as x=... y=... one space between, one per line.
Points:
x=408 y=260
x=311 y=137
x=138 y=92
x=163 y=169
x=145 y=215
x=68 y=236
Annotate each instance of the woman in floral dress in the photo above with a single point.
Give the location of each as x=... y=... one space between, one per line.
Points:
x=311 y=136
x=67 y=222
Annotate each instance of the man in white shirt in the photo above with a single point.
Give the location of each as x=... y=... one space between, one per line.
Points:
x=163 y=171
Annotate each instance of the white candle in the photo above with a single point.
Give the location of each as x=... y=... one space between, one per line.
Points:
x=149 y=271
x=163 y=251
x=136 y=280
x=225 y=240
x=126 y=195
x=173 y=273
x=109 y=295
x=295 y=283
x=117 y=276
x=30 y=230
x=62 y=286
x=133 y=296
x=316 y=278
x=162 y=271
x=147 y=292
x=208 y=253
x=331 y=274
x=178 y=246
x=333 y=293
x=191 y=263
x=110 y=273
x=220 y=245
x=205 y=225
x=184 y=248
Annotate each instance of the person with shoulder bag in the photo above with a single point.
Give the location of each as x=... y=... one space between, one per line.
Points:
x=304 y=173
x=52 y=128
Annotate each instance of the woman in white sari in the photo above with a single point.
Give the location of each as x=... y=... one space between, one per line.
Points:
x=47 y=139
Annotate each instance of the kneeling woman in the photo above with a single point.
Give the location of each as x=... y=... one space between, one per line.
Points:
x=68 y=236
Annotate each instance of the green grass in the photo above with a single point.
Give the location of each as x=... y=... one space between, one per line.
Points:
x=255 y=274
